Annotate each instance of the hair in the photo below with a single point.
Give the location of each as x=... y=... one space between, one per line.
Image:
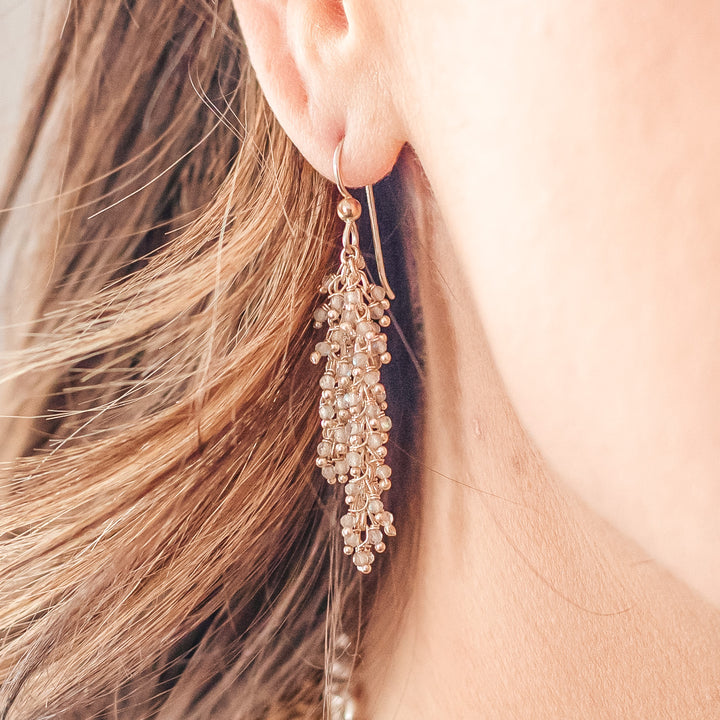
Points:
x=167 y=547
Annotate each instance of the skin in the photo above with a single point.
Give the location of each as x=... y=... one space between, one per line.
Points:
x=569 y=548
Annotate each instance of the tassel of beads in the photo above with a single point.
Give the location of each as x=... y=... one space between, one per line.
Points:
x=352 y=402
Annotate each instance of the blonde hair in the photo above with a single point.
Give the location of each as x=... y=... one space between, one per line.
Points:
x=163 y=532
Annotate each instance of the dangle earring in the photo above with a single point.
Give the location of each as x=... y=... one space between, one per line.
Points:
x=352 y=402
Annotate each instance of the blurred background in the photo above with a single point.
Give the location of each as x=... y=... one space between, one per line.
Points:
x=22 y=24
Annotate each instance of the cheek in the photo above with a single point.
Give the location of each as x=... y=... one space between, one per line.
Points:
x=598 y=262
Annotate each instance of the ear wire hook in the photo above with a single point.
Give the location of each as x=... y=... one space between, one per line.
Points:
x=372 y=213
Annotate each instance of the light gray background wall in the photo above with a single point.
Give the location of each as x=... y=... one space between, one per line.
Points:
x=20 y=37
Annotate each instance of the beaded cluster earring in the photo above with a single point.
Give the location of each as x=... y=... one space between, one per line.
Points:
x=353 y=403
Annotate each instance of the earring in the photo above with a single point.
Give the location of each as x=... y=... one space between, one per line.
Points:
x=352 y=402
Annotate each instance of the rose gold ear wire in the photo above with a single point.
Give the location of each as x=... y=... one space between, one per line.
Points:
x=372 y=213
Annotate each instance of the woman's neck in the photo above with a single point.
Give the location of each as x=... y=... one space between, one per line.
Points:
x=523 y=602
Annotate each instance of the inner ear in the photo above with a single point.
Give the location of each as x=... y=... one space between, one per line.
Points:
x=337 y=16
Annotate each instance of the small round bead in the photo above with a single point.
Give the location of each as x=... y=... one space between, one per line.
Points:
x=353 y=297
x=384 y=472
x=328 y=472
x=371 y=377
x=374 y=536
x=380 y=547
x=385 y=304
x=378 y=346
x=349 y=209
x=360 y=359
x=384 y=321
x=327 y=382
x=385 y=358
x=377 y=293
x=321 y=315
x=347 y=521
x=384 y=484
x=349 y=315
x=327 y=412
x=352 y=398
x=374 y=441
x=372 y=410
x=315 y=357
x=364 y=327
x=348 y=550
x=376 y=311
x=361 y=558
x=379 y=392
x=342 y=466
x=343 y=415
x=323 y=348
x=375 y=506
x=341 y=448
x=338 y=337
x=324 y=449
x=354 y=459
x=353 y=539
x=344 y=369
x=385 y=423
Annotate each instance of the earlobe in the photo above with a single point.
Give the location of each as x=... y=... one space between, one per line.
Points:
x=313 y=61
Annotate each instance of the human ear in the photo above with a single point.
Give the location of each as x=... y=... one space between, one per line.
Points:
x=322 y=67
